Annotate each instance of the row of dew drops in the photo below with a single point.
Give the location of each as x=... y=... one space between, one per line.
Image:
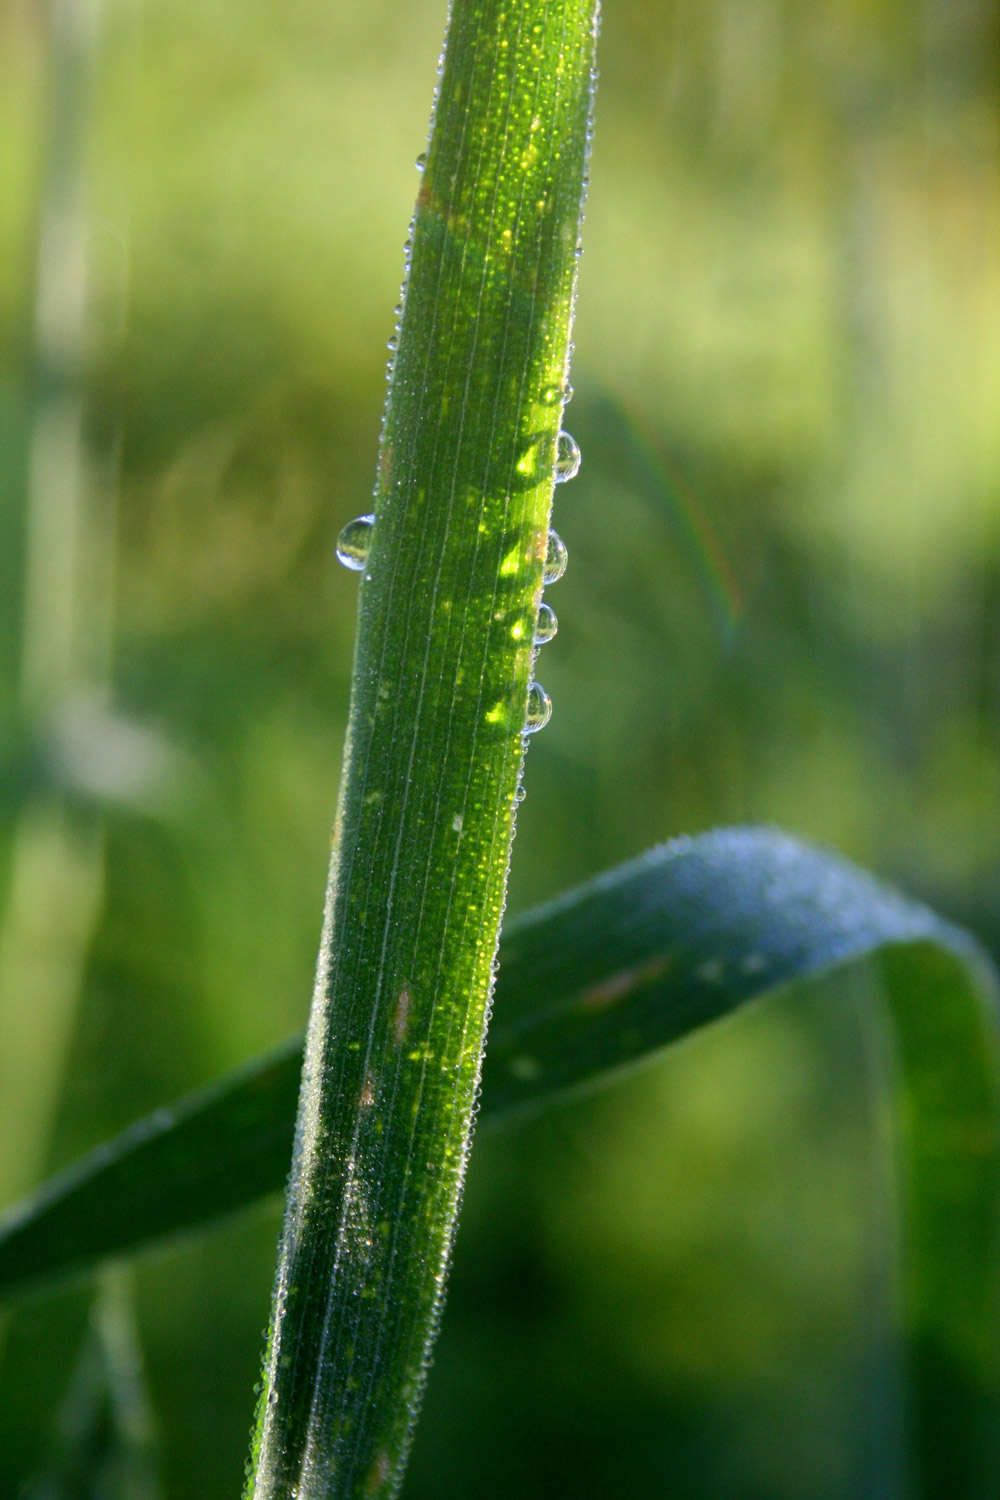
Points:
x=539 y=709
x=354 y=545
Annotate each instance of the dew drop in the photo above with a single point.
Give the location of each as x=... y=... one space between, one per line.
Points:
x=393 y=343
x=567 y=458
x=552 y=395
x=354 y=543
x=539 y=709
x=556 y=558
x=547 y=624
x=421 y=161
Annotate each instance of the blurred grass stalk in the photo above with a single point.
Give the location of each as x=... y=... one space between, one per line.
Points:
x=56 y=876
x=105 y=1443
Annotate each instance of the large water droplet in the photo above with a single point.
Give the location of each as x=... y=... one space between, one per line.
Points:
x=539 y=709
x=354 y=543
x=421 y=161
x=547 y=624
x=567 y=458
x=556 y=558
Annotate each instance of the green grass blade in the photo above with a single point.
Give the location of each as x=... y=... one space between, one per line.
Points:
x=588 y=986
x=597 y=981
x=450 y=593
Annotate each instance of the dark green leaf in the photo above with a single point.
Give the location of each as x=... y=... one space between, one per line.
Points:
x=597 y=981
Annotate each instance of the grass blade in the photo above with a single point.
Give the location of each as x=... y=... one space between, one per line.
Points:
x=588 y=986
x=450 y=592
x=592 y=984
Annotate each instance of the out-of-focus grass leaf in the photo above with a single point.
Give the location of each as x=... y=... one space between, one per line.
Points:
x=594 y=983
x=104 y=1446
x=91 y=758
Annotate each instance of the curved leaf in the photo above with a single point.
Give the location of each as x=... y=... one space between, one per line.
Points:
x=588 y=985
x=592 y=984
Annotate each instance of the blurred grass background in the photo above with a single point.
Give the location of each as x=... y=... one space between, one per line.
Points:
x=783 y=605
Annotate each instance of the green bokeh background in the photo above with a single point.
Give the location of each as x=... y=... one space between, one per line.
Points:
x=782 y=605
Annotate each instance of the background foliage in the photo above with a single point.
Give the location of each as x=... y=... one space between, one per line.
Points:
x=783 y=605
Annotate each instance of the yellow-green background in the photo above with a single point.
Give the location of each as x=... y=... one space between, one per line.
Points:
x=782 y=605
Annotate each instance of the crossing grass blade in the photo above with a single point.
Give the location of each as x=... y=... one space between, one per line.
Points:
x=600 y=980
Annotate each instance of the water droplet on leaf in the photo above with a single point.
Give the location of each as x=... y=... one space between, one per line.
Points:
x=567 y=458
x=539 y=709
x=354 y=543
x=556 y=558
x=547 y=624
